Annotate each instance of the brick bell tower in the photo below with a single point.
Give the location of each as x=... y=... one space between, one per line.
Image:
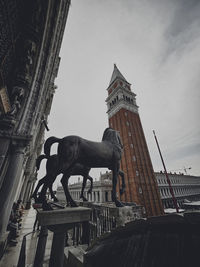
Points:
x=141 y=185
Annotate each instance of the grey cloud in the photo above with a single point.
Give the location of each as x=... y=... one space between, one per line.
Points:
x=184 y=152
x=184 y=26
x=156 y=46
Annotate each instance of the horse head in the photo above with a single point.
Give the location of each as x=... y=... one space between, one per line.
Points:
x=112 y=136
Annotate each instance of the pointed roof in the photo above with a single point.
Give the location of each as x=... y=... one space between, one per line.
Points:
x=116 y=74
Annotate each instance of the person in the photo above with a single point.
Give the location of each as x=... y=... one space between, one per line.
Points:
x=13 y=226
x=19 y=212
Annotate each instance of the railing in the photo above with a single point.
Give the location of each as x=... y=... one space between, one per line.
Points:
x=22 y=255
x=102 y=221
x=103 y=218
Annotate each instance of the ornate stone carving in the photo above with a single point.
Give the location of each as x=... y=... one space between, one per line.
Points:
x=16 y=99
x=24 y=71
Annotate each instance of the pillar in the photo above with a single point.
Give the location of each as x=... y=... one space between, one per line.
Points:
x=57 y=249
x=10 y=183
x=40 y=252
x=4 y=145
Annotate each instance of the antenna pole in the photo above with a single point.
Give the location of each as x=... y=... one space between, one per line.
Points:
x=166 y=174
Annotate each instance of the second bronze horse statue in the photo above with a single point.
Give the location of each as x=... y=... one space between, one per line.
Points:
x=74 y=149
x=51 y=174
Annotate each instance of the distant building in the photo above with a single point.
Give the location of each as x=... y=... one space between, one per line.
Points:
x=136 y=163
x=185 y=187
x=101 y=189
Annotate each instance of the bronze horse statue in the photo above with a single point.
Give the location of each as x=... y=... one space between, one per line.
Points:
x=51 y=174
x=74 y=149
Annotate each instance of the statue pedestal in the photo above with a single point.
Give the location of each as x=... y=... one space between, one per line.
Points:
x=128 y=214
x=59 y=221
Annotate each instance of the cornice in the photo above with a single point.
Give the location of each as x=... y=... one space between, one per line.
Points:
x=122 y=104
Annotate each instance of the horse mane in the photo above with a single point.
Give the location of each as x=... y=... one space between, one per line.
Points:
x=106 y=136
x=112 y=135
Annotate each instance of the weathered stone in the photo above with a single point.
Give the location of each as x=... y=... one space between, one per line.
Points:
x=74 y=256
x=63 y=216
x=59 y=221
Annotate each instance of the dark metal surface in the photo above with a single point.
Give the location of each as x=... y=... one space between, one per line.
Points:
x=52 y=172
x=73 y=150
x=170 y=240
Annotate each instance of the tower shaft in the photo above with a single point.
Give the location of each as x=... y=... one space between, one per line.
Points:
x=141 y=185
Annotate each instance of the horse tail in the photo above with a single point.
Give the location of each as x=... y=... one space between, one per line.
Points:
x=49 y=142
x=39 y=159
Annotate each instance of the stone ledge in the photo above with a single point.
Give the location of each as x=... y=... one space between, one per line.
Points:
x=63 y=216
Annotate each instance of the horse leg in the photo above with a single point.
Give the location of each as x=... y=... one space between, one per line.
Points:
x=41 y=181
x=91 y=184
x=115 y=171
x=49 y=179
x=69 y=199
x=83 y=187
x=42 y=196
x=52 y=193
x=122 y=190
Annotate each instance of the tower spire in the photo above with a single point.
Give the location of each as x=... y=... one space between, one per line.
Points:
x=116 y=74
x=120 y=94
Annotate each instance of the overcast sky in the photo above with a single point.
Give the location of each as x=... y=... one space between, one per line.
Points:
x=156 y=46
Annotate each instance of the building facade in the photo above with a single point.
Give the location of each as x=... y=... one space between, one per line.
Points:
x=185 y=187
x=141 y=186
x=30 y=39
x=101 y=192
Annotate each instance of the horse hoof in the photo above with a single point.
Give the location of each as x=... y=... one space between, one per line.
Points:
x=84 y=199
x=46 y=206
x=73 y=204
x=119 y=204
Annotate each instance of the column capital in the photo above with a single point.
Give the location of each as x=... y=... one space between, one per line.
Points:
x=19 y=143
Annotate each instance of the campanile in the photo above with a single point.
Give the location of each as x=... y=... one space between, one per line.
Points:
x=141 y=185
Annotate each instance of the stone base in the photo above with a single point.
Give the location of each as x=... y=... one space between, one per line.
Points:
x=73 y=256
x=128 y=214
x=59 y=221
x=68 y=215
x=124 y=214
